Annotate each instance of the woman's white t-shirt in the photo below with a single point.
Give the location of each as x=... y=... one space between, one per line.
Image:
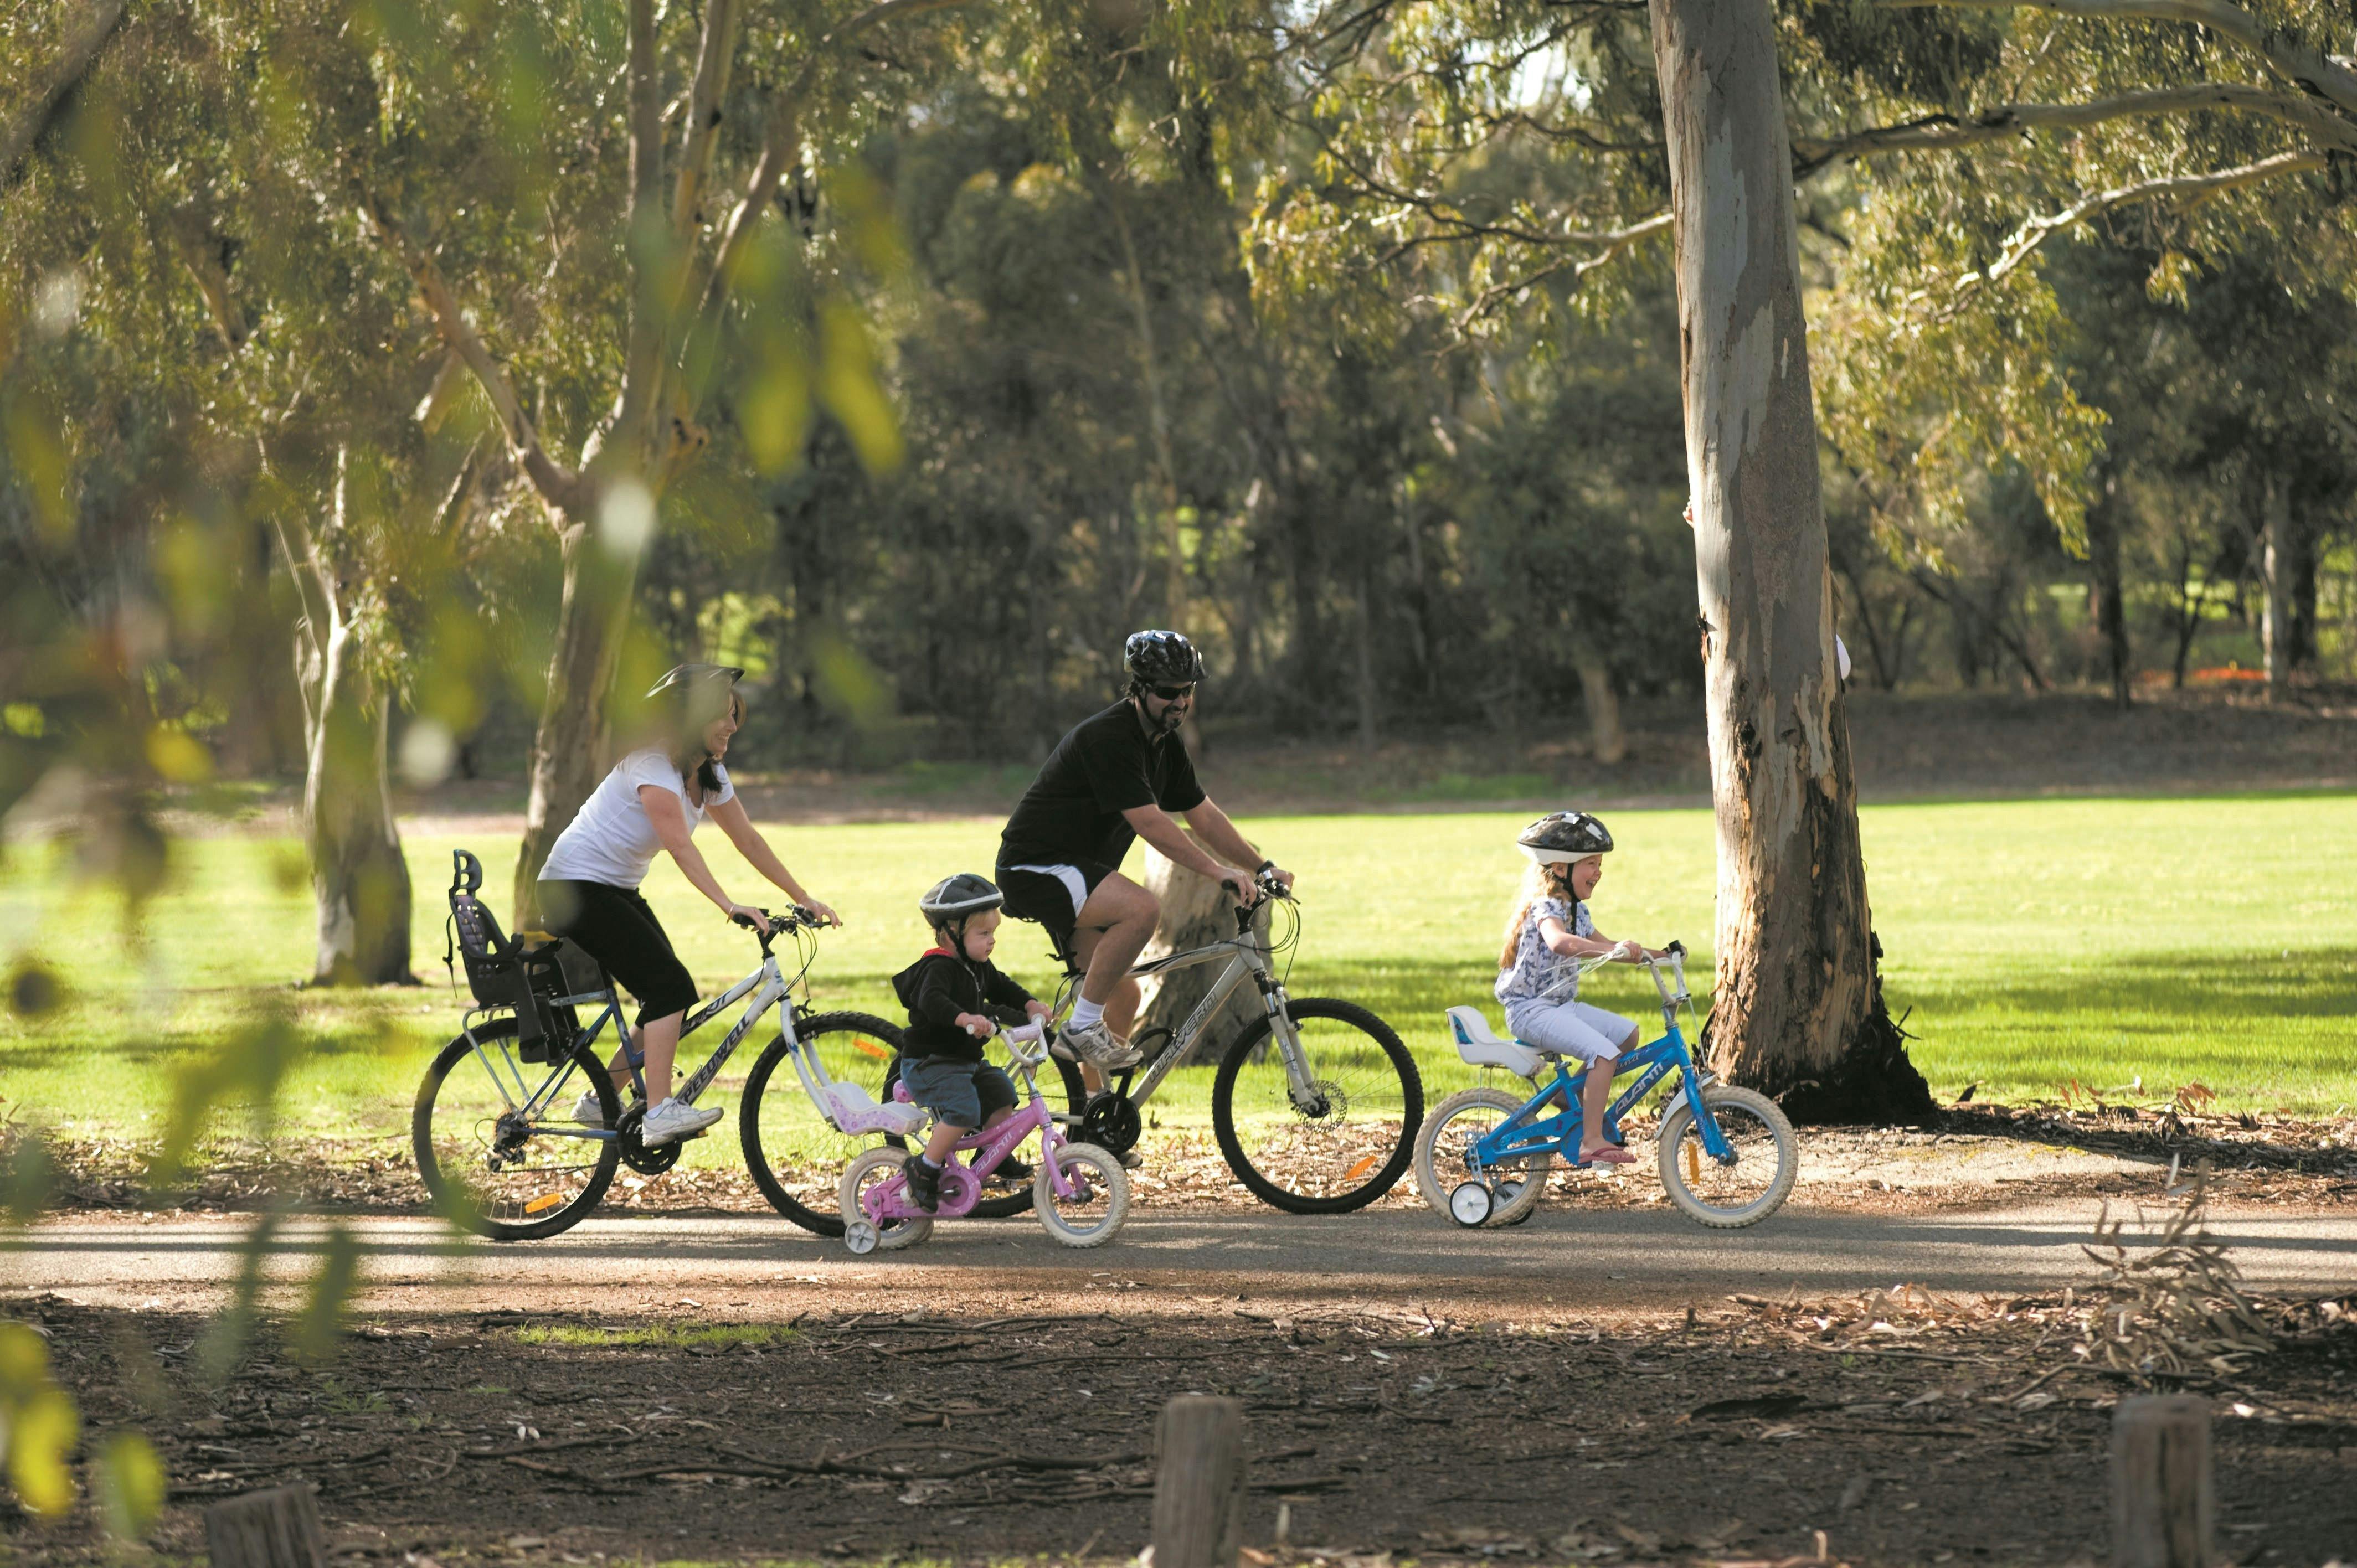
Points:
x=610 y=840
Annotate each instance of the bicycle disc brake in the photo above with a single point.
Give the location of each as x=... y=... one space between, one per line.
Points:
x=635 y=1153
x=1111 y=1123
x=1327 y=1100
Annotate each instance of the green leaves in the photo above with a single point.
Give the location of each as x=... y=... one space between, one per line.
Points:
x=38 y=1425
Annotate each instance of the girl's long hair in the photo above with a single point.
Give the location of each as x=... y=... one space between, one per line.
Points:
x=699 y=703
x=1538 y=882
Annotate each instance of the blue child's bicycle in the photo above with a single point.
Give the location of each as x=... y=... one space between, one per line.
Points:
x=1483 y=1155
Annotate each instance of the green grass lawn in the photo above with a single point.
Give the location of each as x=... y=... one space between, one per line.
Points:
x=2037 y=943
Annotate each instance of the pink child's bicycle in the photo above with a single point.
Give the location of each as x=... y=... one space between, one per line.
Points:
x=1082 y=1193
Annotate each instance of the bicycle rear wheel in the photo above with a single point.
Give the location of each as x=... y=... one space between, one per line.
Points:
x=1443 y=1156
x=796 y=1156
x=496 y=1144
x=1345 y=1144
x=1754 y=1184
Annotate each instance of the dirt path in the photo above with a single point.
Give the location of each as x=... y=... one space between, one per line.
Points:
x=1166 y=1262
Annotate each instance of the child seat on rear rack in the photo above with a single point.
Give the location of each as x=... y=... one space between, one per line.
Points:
x=525 y=973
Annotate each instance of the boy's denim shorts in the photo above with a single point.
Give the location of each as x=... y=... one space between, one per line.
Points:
x=962 y=1094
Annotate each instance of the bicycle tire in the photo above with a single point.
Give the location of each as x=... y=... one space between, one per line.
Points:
x=1352 y=1156
x=1435 y=1183
x=1105 y=1168
x=900 y=1233
x=1677 y=1129
x=795 y=1126
x=449 y=1196
x=1019 y=1201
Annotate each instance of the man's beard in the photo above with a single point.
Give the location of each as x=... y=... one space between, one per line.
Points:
x=1173 y=719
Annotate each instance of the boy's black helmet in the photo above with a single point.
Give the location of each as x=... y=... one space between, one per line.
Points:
x=956 y=899
x=1161 y=659
x=1560 y=837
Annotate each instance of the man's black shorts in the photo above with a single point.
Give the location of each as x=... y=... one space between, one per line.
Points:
x=1051 y=895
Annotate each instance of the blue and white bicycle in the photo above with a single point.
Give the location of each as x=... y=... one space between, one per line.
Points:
x=1727 y=1155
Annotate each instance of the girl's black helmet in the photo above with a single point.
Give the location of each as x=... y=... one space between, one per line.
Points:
x=1561 y=837
x=1161 y=659
x=957 y=899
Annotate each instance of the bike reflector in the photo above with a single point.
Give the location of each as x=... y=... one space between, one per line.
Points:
x=544 y=1203
x=872 y=1049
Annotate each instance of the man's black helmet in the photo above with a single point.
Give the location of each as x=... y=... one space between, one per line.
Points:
x=1161 y=659
x=956 y=899
x=683 y=676
x=1561 y=837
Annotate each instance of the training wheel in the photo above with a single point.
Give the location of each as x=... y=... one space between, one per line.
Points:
x=861 y=1236
x=1471 y=1204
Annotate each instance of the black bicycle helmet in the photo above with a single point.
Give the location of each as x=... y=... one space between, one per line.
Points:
x=682 y=676
x=1561 y=837
x=955 y=900
x=1161 y=659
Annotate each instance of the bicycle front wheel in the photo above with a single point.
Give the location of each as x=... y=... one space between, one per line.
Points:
x=496 y=1144
x=792 y=1147
x=1751 y=1187
x=1335 y=1142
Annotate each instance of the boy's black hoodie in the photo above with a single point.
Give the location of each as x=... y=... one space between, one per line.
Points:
x=941 y=985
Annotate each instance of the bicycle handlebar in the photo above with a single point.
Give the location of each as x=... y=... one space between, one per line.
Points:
x=771 y=927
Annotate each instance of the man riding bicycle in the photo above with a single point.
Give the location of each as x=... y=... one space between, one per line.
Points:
x=1113 y=779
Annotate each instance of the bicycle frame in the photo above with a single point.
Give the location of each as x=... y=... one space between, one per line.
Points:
x=988 y=1148
x=766 y=985
x=1247 y=958
x=1525 y=1133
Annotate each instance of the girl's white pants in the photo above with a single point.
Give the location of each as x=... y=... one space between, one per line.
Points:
x=1572 y=1028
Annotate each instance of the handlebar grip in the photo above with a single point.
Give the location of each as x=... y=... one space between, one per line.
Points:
x=1676 y=947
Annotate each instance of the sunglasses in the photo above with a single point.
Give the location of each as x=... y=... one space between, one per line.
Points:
x=1173 y=693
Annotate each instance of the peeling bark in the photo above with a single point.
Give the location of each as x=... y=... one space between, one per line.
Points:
x=1797 y=1009
x=1195 y=911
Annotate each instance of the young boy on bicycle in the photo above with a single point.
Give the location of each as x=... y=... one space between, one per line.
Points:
x=948 y=993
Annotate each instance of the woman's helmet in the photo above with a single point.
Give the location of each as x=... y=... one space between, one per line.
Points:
x=955 y=900
x=683 y=677
x=1559 y=838
x=1161 y=659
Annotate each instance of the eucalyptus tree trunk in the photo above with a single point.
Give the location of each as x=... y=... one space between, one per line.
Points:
x=2274 y=579
x=360 y=880
x=2111 y=596
x=1798 y=1009
x=569 y=747
x=1607 y=740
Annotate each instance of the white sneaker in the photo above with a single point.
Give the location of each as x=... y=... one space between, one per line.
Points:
x=1101 y=1047
x=587 y=1112
x=672 y=1119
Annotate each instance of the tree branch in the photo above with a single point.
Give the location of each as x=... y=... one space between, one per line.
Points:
x=1943 y=132
x=704 y=113
x=642 y=362
x=781 y=148
x=558 y=485
x=2290 y=56
x=74 y=63
x=2037 y=231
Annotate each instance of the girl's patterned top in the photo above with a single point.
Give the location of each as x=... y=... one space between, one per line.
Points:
x=1539 y=974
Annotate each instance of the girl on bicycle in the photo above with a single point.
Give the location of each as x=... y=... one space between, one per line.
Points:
x=654 y=799
x=1538 y=979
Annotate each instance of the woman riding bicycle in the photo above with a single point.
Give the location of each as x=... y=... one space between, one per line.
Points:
x=654 y=799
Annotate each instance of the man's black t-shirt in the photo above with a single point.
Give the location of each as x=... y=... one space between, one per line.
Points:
x=1105 y=766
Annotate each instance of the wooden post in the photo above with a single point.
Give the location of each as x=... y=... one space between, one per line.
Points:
x=276 y=1529
x=1198 y=1487
x=2162 y=1510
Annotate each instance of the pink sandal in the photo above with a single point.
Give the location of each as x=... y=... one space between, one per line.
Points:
x=1610 y=1154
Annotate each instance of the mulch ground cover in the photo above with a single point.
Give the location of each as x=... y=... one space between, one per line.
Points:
x=1906 y=1428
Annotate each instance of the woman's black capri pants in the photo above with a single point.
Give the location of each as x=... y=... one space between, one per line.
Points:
x=614 y=926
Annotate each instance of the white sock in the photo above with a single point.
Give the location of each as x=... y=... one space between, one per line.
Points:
x=1085 y=1013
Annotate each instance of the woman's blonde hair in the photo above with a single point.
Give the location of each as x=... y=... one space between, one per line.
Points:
x=1538 y=882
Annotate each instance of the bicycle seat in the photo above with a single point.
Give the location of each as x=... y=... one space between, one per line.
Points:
x=855 y=1111
x=1480 y=1047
